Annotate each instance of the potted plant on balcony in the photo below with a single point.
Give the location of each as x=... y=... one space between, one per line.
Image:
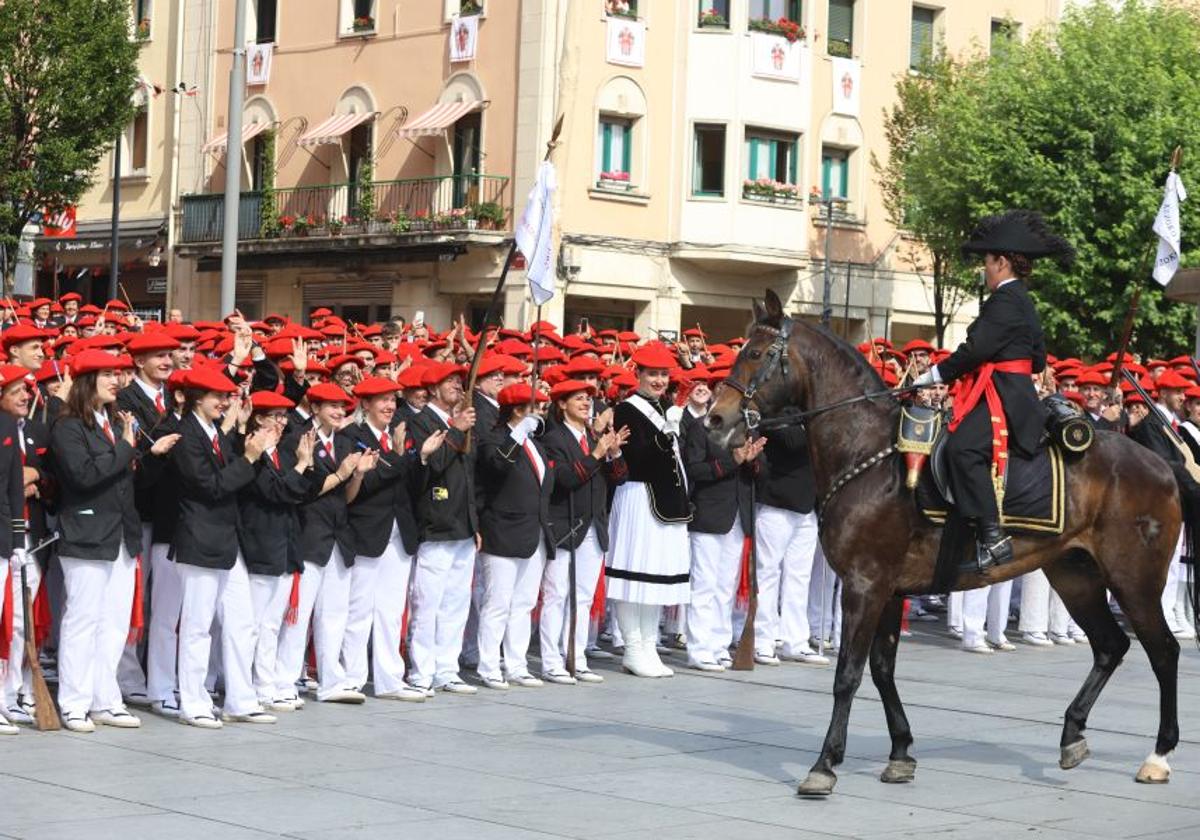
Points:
x=400 y=223
x=363 y=23
x=614 y=180
x=336 y=225
x=302 y=225
x=788 y=29
x=286 y=223
x=620 y=8
x=770 y=191
x=712 y=19
x=461 y=218
x=420 y=221
x=320 y=226
x=470 y=7
x=143 y=29
x=490 y=215
x=840 y=49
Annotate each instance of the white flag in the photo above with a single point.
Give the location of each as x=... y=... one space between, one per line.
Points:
x=1166 y=225
x=535 y=234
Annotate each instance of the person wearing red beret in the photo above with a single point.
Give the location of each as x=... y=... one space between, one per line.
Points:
x=1093 y=387
x=70 y=305
x=95 y=450
x=23 y=344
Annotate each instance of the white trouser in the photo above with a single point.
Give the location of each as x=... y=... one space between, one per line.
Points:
x=329 y=625
x=269 y=594
x=1175 y=573
x=988 y=604
x=824 y=601
x=441 y=598
x=293 y=638
x=130 y=675
x=378 y=593
x=95 y=626
x=716 y=564
x=1042 y=611
x=787 y=541
x=166 y=599
x=14 y=682
x=470 y=651
x=209 y=594
x=510 y=592
x=556 y=589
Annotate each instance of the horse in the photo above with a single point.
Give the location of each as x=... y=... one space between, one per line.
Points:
x=1122 y=522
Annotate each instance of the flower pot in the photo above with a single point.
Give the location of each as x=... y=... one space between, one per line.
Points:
x=319 y=231
x=378 y=227
x=472 y=224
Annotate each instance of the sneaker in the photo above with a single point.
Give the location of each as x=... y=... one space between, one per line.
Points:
x=1003 y=645
x=809 y=657
x=1080 y=638
x=494 y=683
x=345 y=695
x=165 y=708
x=78 y=723
x=279 y=704
x=765 y=658
x=905 y=634
x=526 y=681
x=201 y=721
x=117 y=718
x=7 y=728
x=706 y=665
x=594 y=652
x=1184 y=633
x=956 y=632
x=406 y=694
x=1037 y=639
x=724 y=659
x=1061 y=639
x=18 y=715
x=252 y=717
x=559 y=676
x=137 y=699
x=458 y=687
x=583 y=675
x=978 y=648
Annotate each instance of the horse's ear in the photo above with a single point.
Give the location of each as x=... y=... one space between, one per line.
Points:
x=774 y=306
x=759 y=311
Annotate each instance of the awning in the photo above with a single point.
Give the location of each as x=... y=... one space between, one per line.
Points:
x=332 y=129
x=438 y=118
x=220 y=141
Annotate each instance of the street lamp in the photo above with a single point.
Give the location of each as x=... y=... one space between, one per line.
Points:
x=828 y=201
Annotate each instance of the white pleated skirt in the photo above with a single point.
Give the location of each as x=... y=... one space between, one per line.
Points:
x=648 y=561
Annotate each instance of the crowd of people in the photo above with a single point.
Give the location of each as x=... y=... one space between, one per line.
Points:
x=252 y=514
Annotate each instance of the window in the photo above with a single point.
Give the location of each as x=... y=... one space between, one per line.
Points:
x=1004 y=32
x=775 y=9
x=841 y=28
x=142 y=16
x=259 y=176
x=714 y=14
x=708 y=167
x=772 y=157
x=135 y=146
x=835 y=173
x=621 y=8
x=921 y=43
x=357 y=16
x=615 y=151
x=264 y=21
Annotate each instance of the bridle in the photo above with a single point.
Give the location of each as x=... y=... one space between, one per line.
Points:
x=776 y=358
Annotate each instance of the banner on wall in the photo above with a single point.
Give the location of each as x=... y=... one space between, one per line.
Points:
x=258 y=64
x=626 y=42
x=847 y=73
x=774 y=57
x=464 y=38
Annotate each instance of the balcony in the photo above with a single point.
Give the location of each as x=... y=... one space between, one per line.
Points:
x=408 y=220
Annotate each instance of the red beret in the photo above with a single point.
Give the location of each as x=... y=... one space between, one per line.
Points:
x=1075 y=397
x=494 y=363
x=917 y=344
x=439 y=372
x=584 y=365
x=568 y=387
x=69 y=296
x=519 y=394
x=1171 y=379
x=373 y=386
x=14 y=373
x=694 y=332
x=412 y=377
x=208 y=379
x=90 y=361
x=1091 y=377
x=20 y=334
x=267 y=400
x=328 y=392
x=156 y=342
x=655 y=356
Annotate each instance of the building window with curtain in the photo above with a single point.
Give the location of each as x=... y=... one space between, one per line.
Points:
x=135 y=146
x=265 y=13
x=841 y=28
x=362 y=15
x=714 y=14
x=708 y=161
x=775 y=9
x=143 y=15
x=835 y=174
x=920 y=51
x=621 y=8
x=614 y=153
x=771 y=167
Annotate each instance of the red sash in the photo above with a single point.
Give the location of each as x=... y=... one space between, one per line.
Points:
x=979 y=385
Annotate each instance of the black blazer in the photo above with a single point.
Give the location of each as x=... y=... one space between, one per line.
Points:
x=1007 y=329
x=37 y=456
x=270 y=518
x=96 y=510
x=583 y=479
x=133 y=399
x=324 y=519
x=786 y=478
x=720 y=487
x=209 y=527
x=12 y=488
x=385 y=496
x=446 y=507
x=296 y=424
x=650 y=458
x=165 y=513
x=516 y=510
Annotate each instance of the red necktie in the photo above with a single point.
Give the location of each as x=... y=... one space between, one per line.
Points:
x=385 y=445
x=217 y=449
x=275 y=458
x=108 y=433
x=1174 y=424
x=532 y=460
x=329 y=448
x=583 y=444
x=159 y=406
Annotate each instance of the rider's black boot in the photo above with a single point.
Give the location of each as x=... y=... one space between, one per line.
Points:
x=994 y=547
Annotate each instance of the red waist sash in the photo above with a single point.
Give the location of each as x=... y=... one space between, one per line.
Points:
x=979 y=385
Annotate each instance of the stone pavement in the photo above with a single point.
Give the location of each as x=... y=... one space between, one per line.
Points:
x=696 y=756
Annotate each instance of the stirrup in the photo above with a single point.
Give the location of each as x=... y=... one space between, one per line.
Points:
x=996 y=554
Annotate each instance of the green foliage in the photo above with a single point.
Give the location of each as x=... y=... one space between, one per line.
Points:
x=268 y=226
x=365 y=209
x=67 y=74
x=1078 y=123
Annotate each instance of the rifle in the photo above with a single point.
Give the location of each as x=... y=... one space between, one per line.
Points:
x=743 y=658
x=573 y=600
x=1189 y=462
x=45 y=711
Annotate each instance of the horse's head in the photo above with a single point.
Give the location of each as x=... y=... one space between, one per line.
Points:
x=761 y=381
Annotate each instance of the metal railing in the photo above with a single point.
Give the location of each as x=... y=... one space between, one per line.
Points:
x=415 y=198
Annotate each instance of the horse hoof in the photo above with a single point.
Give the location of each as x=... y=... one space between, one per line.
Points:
x=1074 y=754
x=818 y=783
x=899 y=771
x=1154 y=770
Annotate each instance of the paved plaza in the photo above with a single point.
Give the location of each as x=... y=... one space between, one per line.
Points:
x=696 y=756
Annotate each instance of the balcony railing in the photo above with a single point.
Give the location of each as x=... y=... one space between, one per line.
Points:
x=447 y=203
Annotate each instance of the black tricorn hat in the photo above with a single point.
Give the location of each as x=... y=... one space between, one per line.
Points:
x=1018 y=232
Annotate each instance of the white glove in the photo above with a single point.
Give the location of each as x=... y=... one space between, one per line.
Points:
x=929 y=377
x=674 y=416
x=17 y=560
x=525 y=428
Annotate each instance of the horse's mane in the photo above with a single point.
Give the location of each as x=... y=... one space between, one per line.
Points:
x=865 y=375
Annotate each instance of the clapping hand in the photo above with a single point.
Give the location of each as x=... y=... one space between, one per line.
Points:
x=749 y=450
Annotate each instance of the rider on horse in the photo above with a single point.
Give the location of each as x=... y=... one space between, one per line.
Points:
x=997 y=406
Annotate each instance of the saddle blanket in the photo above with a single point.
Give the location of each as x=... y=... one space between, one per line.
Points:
x=1035 y=496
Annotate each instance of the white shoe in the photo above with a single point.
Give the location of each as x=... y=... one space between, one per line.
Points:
x=407 y=694
x=1184 y=633
x=201 y=721
x=707 y=665
x=583 y=675
x=280 y=704
x=979 y=648
x=19 y=715
x=956 y=632
x=252 y=717
x=725 y=660
x=494 y=683
x=809 y=657
x=118 y=718
x=765 y=659
x=165 y=708
x=526 y=680
x=597 y=653
x=1003 y=645
x=7 y=728
x=559 y=676
x=296 y=701
x=345 y=695
x=79 y=723
x=1061 y=640
x=137 y=699
x=1037 y=639
x=458 y=687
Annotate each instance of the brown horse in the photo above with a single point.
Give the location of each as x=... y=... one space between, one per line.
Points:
x=1123 y=519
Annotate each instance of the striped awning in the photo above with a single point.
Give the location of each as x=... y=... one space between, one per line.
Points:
x=438 y=118
x=332 y=129
x=220 y=141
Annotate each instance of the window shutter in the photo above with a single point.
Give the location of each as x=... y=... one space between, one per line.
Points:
x=921 y=46
x=606 y=145
x=627 y=148
x=841 y=21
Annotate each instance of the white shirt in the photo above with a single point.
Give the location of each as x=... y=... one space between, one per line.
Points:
x=209 y=429
x=150 y=391
x=443 y=416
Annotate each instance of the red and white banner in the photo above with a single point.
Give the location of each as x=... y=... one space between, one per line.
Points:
x=258 y=64
x=847 y=73
x=774 y=57
x=626 y=42
x=59 y=225
x=464 y=38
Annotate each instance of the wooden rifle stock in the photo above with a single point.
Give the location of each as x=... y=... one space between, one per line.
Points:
x=743 y=658
x=45 y=712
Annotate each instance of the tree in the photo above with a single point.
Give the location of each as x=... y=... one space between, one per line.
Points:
x=67 y=75
x=1078 y=123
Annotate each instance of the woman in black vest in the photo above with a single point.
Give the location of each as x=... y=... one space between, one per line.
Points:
x=100 y=537
x=648 y=561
